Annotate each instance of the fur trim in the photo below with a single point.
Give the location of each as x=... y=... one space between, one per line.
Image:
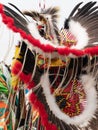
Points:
x=80 y=33
x=90 y=108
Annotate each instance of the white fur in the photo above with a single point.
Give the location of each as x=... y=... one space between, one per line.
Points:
x=90 y=107
x=80 y=33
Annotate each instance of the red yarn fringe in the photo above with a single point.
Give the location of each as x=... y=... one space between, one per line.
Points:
x=26 y=78
x=44 y=116
x=16 y=69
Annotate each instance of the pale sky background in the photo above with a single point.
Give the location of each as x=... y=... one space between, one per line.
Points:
x=5 y=39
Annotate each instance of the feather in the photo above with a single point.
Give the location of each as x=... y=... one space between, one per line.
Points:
x=71 y=14
x=47 y=20
x=86 y=20
x=19 y=21
x=18 y=10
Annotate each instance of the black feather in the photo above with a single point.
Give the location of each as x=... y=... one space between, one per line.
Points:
x=19 y=21
x=85 y=8
x=75 y=9
x=66 y=22
x=18 y=10
x=87 y=16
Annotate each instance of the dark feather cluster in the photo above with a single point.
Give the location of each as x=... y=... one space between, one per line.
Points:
x=47 y=19
x=87 y=16
x=20 y=20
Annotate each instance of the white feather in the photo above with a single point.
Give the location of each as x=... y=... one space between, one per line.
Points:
x=80 y=33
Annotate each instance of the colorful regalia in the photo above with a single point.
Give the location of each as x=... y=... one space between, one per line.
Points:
x=5 y=98
x=54 y=72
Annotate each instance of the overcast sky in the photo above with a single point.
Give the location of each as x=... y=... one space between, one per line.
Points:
x=65 y=6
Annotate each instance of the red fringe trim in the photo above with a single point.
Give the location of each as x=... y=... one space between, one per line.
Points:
x=16 y=67
x=16 y=70
x=33 y=98
x=42 y=112
x=46 y=48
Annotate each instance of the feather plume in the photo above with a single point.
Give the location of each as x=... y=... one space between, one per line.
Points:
x=82 y=23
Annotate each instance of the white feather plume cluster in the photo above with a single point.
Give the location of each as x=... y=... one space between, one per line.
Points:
x=80 y=33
